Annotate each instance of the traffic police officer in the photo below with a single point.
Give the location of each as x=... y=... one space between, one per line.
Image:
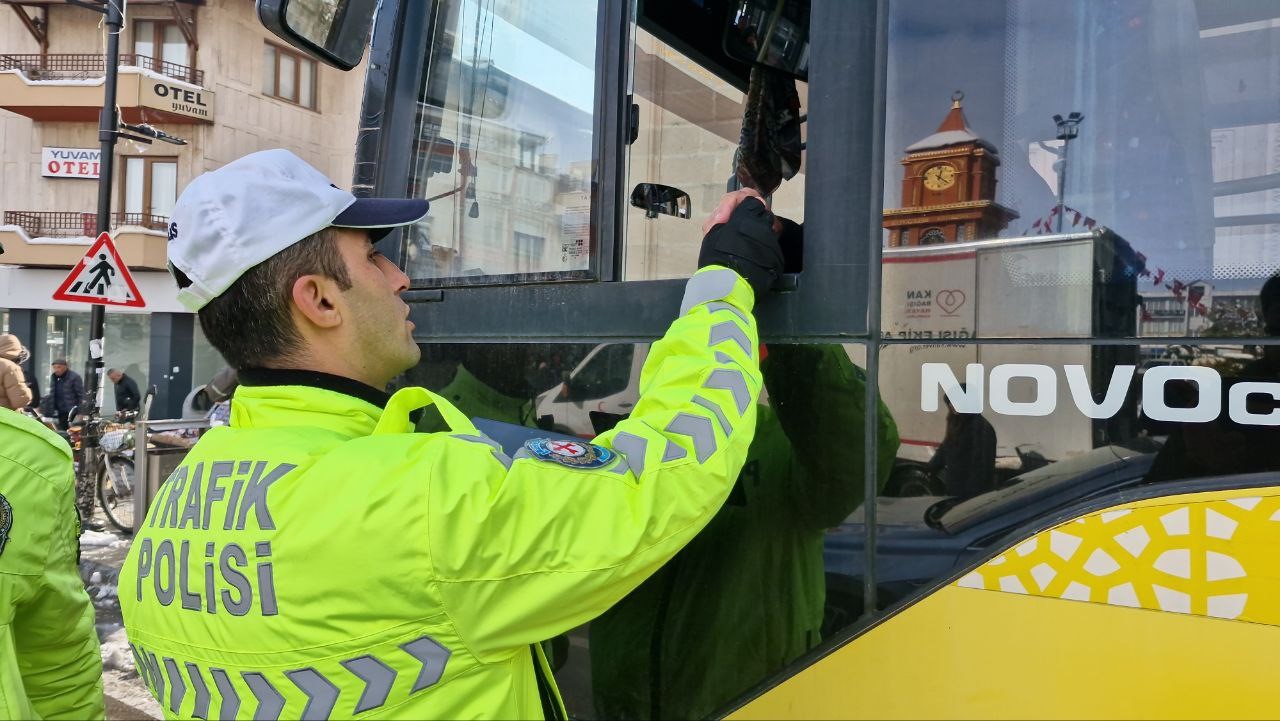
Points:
x=50 y=665
x=317 y=557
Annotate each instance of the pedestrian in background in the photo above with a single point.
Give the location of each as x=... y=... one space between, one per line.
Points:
x=127 y=396
x=66 y=392
x=15 y=393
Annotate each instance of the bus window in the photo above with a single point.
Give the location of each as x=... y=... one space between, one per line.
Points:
x=690 y=126
x=1080 y=147
x=503 y=143
x=996 y=439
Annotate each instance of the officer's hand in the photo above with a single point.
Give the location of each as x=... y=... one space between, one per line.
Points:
x=744 y=241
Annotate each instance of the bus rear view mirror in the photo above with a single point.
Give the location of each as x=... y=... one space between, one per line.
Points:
x=656 y=199
x=772 y=33
x=332 y=31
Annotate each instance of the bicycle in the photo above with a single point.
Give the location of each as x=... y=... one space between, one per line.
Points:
x=115 y=477
x=113 y=474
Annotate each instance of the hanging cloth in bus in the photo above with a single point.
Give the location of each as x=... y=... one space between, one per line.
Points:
x=769 y=147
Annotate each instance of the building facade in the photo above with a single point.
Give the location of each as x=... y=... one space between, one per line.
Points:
x=204 y=71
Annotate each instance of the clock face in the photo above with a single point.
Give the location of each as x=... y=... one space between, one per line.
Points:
x=939 y=177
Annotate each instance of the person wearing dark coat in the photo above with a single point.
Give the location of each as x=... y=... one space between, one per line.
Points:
x=966 y=458
x=127 y=396
x=66 y=392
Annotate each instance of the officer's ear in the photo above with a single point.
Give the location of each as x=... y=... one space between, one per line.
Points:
x=317 y=299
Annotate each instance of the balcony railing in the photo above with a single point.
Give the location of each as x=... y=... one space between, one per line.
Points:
x=78 y=66
x=69 y=224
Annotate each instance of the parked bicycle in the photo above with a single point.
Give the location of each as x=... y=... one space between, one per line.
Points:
x=115 y=477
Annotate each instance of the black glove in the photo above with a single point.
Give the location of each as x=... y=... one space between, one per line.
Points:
x=747 y=244
x=792 y=242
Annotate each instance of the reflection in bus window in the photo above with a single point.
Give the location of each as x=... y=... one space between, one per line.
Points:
x=1149 y=119
x=503 y=143
x=690 y=127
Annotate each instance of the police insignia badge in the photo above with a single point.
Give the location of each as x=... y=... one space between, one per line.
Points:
x=6 y=521
x=570 y=453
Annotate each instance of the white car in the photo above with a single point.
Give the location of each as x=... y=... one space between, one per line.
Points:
x=599 y=391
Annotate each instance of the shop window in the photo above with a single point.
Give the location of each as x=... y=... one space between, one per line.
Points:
x=289 y=76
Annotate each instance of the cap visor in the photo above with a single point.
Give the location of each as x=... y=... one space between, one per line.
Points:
x=380 y=215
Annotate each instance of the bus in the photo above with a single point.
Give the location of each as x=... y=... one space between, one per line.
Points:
x=981 y=485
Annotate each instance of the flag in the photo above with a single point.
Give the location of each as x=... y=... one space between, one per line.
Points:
x=1201 y=309
x=1194 y=294
x=1075 y=220
x=1089 y=223
x=1036 y=224
x=1146 y=314
x=1159 y=278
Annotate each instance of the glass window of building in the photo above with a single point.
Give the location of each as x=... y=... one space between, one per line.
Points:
x=150 y=189
x=161 y=41
x=288 y=75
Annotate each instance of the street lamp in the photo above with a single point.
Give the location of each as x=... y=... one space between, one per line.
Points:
x=147 y=132
x=1068 y=128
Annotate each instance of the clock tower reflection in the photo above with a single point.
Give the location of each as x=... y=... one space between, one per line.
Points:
x=948 y=187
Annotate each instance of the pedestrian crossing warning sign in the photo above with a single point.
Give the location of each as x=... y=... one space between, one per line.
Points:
x=101 y=277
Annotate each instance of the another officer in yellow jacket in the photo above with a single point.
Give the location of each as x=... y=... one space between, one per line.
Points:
x=50 y=665
x=318 y=558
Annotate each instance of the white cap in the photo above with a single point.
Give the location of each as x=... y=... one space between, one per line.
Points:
x=228 y=220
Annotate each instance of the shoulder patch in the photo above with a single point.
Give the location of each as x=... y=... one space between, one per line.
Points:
x=6 y=521
x=573 y=454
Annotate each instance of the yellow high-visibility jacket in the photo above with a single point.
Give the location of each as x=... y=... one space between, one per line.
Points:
x=317 y=558
x=50 y=665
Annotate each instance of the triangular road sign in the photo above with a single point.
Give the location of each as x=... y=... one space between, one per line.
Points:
x=101 y=277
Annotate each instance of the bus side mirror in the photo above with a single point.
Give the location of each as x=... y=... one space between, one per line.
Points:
x=655 y=199
x=332 y=31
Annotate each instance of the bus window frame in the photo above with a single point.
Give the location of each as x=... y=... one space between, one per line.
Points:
x=843 y=120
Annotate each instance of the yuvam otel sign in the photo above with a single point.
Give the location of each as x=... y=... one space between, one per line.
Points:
x=69 y=162
x=176 y=98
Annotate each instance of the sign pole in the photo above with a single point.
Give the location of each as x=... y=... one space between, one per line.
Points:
x=107 y=127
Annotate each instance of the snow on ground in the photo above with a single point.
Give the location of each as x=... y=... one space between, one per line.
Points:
x=120 y=680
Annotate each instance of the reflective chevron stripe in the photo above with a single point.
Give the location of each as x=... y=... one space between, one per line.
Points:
x=377 y=677
x=715 y=409
x=721 y=305
x=322 y=695
x=177 y=687
x=201 y=690
x=230 y=705
x=673 y=451
x=270 y=702
x=699 y=430
x=433 y=658
x=632 y=449
x=728 y=330
x=734 y=382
